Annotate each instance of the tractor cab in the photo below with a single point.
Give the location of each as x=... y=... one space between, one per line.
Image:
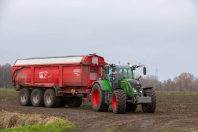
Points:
x=115 y=73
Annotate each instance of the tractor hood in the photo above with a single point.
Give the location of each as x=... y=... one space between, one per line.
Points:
x=135 y=84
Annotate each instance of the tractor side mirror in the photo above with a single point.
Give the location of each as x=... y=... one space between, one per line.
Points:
x=107 y=69
x=144 y=70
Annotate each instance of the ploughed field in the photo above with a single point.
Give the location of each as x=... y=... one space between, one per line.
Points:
x=174 y=112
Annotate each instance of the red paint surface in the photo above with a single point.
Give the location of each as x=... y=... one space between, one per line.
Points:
x=63 y=75
x=96 y=97
x=114 y=102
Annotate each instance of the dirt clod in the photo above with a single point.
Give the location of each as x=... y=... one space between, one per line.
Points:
x=13 y=120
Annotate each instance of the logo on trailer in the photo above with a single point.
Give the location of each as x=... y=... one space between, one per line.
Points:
x=43 y=74
x=76 y=71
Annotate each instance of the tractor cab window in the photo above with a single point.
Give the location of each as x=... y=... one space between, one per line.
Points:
x=118 y=74
x=123 y=71
x=109 y=76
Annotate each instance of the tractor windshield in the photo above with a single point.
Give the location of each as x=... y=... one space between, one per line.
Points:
x=123 y=72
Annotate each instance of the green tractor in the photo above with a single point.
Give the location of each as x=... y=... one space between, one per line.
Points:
x=122 y=90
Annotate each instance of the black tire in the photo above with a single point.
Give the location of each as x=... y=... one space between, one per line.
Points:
x=149 y=108
x=131 y=107
x=119 y=101
x=24 y=97
x=75 y=102
x=63 y=102
x=37 y=96
x=98 y=99
x=50 y=99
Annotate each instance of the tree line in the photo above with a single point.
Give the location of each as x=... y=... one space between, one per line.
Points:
x=183 y=82
x=6 y=76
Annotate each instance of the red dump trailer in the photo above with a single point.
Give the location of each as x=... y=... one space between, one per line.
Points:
x=55 y=81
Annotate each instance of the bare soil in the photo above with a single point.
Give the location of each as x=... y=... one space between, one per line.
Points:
x=173 y=113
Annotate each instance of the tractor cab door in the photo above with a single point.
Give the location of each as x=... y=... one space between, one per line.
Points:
x=119 y=77
x=108 y=77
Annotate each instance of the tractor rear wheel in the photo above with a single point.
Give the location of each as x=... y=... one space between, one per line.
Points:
x=131 y=107
x=75 y=102
x=98 y=99
x=149 y=108
x=119 y=101
x=24 y=97
x=50 y=99
x=37 y=97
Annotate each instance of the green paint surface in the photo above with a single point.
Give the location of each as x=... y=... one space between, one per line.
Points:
x=107 y=85
x=125 y=85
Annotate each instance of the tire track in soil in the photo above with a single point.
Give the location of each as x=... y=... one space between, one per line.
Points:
x=87 y=120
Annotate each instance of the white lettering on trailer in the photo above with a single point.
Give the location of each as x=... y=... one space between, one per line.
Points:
x=43 y=74
x=50 y=76
x=76 y=71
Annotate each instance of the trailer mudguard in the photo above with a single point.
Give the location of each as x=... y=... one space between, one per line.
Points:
x=57 y=88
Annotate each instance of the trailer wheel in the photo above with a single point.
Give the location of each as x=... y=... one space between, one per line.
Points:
x=63 y=102
x=98 y=99
x=119 y=101
x=37 y=97
x=131 y=107
x=24 y=97
x=149 y=108
x=75 y=102
x=50 y=99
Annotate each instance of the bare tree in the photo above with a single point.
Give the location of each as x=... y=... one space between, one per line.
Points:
x=6 y=76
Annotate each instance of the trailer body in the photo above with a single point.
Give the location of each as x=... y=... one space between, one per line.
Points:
x=71 y=74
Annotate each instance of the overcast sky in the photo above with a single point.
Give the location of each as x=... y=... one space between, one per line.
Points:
x=165 y=30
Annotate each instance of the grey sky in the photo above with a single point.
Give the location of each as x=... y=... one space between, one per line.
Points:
x=165 y=30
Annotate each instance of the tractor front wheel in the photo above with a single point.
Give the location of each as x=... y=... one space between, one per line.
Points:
x=149 y=108
x=119 y=101
x=98 y=99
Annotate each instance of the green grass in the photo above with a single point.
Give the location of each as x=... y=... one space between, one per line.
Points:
x=57 y=126
x=8 y=90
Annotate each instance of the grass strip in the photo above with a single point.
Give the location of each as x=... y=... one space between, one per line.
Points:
x=57 y=126
x=8 y=90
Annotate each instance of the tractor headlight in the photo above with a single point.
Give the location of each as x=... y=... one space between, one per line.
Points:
x=134 y=90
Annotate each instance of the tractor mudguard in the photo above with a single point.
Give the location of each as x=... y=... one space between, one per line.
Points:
x=147 y=88
x=101 y=85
